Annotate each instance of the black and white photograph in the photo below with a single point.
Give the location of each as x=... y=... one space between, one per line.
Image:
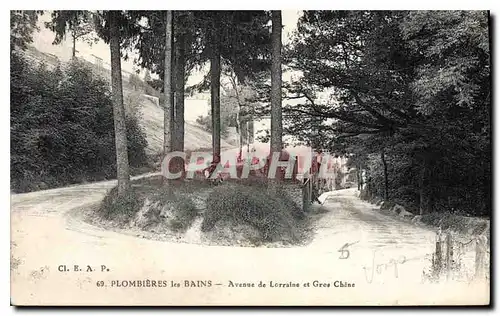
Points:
x=250 y=157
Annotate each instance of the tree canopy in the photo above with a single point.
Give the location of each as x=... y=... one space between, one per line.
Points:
x=415 y=84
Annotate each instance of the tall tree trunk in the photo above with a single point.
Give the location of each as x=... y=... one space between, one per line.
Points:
x=250 y=132
x=167 y=79
x=426 y=199
x=238 y=117
x=242 y=137
x=215 y=73
x=74 y=46
x=180 y=72
x=486 y=184
x=239 y=127
x=276 y=117
x=172 y=88
x=386 y=176
x=122 y=166
x=248 y=136
x=358 y=177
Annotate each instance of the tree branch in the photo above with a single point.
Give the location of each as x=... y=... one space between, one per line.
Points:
x=382 y=119
x=318 y=113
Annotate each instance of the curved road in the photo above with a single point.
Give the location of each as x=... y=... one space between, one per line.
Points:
x=385 y=261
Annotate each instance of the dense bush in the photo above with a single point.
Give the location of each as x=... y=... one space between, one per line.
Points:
x=185 y=215
x=275 y=216
x=120 y=209
x=147 y=205
x=62 y=128
x=180 y=208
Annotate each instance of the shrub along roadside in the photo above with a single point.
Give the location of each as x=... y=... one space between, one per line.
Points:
x=121 y=209
x=177 y=209
x=150 y=204
x=236 y=204
x=62 y=129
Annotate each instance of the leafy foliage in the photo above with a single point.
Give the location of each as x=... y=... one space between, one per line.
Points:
x=244 y=38
x=238 y=103
x=80 y=25
x=62 y=129
x=22 y=26
x=413 y=86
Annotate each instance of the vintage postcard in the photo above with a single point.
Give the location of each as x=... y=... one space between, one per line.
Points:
x=239 y=158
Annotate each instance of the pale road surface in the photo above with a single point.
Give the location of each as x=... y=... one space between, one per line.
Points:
x=46 y=234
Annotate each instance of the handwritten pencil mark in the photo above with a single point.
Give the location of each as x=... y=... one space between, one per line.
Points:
x=344 y=252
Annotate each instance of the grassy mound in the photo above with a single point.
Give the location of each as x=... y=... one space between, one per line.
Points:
x=177 y=210
x=267 y=217
x=231 y=213
x=149 y=203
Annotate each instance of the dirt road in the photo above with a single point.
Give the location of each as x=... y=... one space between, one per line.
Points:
x=384 y=262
